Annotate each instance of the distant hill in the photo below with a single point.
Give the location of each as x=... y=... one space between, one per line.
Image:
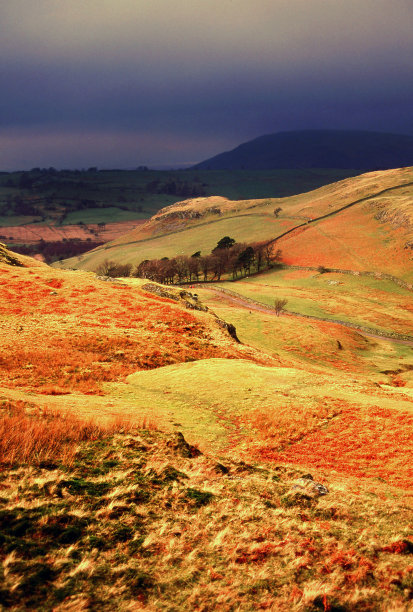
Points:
x=317 y=149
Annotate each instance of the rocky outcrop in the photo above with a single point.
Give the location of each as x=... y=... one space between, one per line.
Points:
x=181 y=446
x=230 y=329
x=7 y=258
x=305 y=490
x=189 y=300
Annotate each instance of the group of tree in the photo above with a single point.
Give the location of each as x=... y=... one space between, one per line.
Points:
x=227 y=258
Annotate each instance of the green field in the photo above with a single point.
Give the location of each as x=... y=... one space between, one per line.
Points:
x=111 y=214
x=16 y=220
x=296 y=340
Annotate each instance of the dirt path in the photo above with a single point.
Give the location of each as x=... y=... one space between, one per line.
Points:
x=253 y=305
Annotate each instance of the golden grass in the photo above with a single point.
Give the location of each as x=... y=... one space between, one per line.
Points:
x=135 y=524
x=38 y=437
x=62 y=332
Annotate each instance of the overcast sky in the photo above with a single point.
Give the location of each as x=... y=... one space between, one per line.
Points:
x=120 y=83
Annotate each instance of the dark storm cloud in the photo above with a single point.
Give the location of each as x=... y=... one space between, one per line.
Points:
x=131 y=81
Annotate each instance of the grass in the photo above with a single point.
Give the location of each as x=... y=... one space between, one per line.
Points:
x=44 y=437
x=66 y=333
x=98 y=513
x=109 y=214
x=189 y=241
x=335 y=242
x=250 y=410
x=317 y=344
x=373 y=302
x=131 y=522
x=15 y=220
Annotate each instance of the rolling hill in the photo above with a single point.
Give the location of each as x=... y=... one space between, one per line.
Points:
x=364 y=223
x=59 y=214
x=317 y=149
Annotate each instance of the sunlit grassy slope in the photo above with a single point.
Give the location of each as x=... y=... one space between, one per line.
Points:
x=317 y=345
x=373 y=302
x=138 y=519
x=373 y=234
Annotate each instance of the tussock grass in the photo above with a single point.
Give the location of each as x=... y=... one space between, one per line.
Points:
x=132 y=523
x=63 y=332
x=39 y=437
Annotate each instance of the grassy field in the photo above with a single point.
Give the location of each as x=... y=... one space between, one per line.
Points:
x=110 y=214
x=142 y=520
x=152 y=189
x=187 y=241
x=295 y=341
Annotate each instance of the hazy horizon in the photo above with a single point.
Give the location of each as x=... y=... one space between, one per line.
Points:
x=127 y=83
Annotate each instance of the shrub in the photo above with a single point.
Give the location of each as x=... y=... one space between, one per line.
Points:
x=279 y=305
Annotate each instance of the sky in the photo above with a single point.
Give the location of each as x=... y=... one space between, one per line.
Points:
x=124 y=83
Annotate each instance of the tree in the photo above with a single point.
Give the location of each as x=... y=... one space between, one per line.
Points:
x=205 y=265
x=225 y=243
x=181 y=264
x=194 y=267
x=246 y=259
x=113 y=269
x=279 y=305
x=259 y=255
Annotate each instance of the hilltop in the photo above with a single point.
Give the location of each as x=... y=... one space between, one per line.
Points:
x=317 y=149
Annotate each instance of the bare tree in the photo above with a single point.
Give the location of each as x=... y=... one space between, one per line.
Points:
x=279 y=305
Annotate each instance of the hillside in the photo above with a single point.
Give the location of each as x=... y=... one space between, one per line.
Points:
x=363 y=223
x=117 y=515
x=317 y=149
x=123 y=512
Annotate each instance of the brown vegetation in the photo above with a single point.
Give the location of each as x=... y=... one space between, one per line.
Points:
x=38 y=437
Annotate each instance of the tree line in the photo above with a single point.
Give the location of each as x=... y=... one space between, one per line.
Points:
x=227 y=258
x=57 y=249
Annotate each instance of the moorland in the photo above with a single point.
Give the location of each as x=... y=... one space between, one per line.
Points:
x=157 y=437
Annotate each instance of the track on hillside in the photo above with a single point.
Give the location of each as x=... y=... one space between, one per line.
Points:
x=238 y=299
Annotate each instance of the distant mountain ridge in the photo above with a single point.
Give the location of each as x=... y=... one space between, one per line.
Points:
x=359 y=150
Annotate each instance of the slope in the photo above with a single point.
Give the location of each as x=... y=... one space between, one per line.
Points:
x=73 y=342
